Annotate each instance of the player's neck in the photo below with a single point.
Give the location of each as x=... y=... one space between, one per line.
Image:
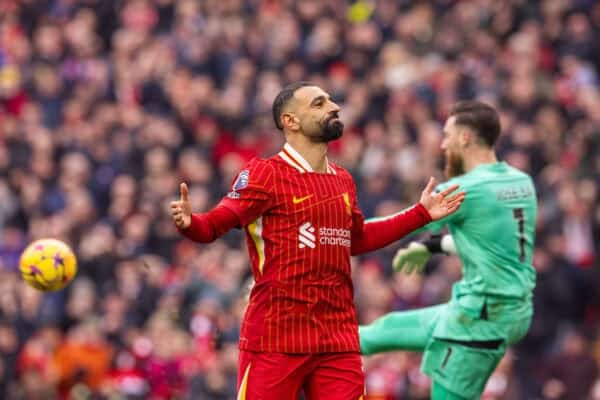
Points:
x=479 y=156
x=314 y=153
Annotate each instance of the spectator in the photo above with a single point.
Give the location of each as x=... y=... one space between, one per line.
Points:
x=571 y=372
x=106 y=105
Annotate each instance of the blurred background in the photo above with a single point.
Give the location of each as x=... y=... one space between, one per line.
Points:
x=106 y=105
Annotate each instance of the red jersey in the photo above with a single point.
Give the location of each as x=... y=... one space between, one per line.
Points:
x=301 y=228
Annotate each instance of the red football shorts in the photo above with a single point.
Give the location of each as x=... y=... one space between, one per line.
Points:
x=277 y=376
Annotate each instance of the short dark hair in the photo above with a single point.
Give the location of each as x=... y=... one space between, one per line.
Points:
x=283 y=97
x=480 y=117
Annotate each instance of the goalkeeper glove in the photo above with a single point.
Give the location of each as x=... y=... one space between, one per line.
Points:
x=412 y=258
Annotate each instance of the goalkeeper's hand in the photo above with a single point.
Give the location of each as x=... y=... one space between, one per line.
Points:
x=412 y=258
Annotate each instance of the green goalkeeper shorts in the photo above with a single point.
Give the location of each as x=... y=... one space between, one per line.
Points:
x=469 y=339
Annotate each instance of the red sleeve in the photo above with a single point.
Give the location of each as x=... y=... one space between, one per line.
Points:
x=377 y=233
x=206 y=228
x=249 y=197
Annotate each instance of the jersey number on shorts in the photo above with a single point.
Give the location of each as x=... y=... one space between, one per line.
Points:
x=520 y=217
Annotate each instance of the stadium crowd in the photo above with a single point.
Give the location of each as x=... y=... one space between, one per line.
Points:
x=106 y=105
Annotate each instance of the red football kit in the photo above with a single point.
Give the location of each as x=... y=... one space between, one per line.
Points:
x=301 y=228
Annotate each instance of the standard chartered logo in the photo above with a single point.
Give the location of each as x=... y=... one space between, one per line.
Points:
x=327 y=236
x=334 y=237
x=307 y=236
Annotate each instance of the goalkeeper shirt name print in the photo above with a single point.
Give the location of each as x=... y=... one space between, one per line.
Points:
x=298 y=226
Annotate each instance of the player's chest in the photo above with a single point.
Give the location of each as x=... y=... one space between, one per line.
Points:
x=322 y=198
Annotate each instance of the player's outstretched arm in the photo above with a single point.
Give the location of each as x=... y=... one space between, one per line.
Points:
x=203 y=228
x=376 y=233
x=414 y=257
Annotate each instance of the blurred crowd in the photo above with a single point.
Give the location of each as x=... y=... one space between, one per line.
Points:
x=106 y=105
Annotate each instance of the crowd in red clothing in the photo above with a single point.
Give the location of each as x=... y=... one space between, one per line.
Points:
x=106 y=105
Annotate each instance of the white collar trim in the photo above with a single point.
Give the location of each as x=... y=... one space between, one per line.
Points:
x=297 y=157
x=292 y=157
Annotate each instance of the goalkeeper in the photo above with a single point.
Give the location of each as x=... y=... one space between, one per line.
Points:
x=493 y=233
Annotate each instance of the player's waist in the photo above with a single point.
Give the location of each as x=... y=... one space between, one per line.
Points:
x=494 y=295
x=278 y=308
x=494 y=308
x=299 y=335
x=294 y=346
x=319 y=318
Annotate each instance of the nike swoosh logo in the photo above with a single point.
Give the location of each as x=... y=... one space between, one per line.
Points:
x=298 y=200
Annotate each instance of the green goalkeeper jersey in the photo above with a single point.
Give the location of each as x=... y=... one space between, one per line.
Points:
x=494 y=231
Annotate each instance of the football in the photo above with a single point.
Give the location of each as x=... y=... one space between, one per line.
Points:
x=48 y=264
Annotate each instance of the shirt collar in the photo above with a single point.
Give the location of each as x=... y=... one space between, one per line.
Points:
x=293 y=158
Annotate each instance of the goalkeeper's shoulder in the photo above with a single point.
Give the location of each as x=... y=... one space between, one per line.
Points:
x=463 y=181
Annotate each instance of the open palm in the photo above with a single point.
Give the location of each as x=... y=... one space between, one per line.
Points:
x=440 y=205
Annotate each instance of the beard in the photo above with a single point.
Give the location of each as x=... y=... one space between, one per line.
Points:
x=454 y=165
x=331 y=129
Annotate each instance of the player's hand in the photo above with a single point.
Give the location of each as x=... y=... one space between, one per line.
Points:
x=181 y=210
x=412 y=258
x=440 y=205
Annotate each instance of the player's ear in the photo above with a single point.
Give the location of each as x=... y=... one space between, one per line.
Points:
x=290 y=121
x=465 y=137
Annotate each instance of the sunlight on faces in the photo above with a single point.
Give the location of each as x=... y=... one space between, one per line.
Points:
x=453 y=145
x=312 y=112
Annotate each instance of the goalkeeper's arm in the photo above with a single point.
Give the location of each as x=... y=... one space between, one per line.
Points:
x=440 y=244
x=415 y=256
